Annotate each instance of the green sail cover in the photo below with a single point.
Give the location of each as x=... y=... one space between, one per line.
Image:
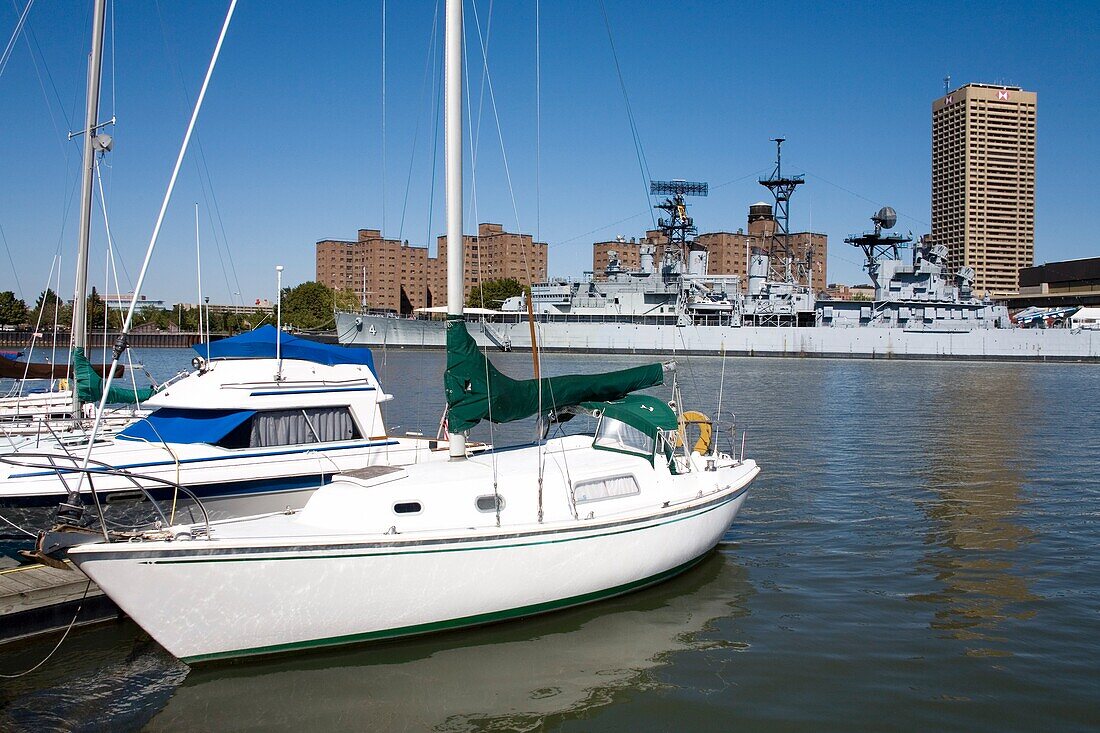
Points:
x=643 y=412
x=477 y=391
x=89 y=385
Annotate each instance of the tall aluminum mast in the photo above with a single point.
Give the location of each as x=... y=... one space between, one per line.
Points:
x=92 y=144
x=456 y=284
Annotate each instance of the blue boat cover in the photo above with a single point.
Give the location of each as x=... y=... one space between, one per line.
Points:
x=175 y=425
x=260 y=344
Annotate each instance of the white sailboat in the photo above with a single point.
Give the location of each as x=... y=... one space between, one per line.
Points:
x=500 y=535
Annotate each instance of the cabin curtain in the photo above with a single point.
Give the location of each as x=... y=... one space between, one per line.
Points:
x=298 y=427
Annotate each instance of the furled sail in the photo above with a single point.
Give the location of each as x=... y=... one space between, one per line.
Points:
x=89 y=385
x=12 y=369
x=477 y=391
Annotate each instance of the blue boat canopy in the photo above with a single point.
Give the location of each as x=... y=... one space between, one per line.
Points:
x=260 y=344
x=175 y=425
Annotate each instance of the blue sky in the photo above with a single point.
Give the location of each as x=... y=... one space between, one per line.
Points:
x=292 y=147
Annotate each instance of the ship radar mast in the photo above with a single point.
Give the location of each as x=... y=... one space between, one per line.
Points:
x=678 y=227
x=781 y=257
x=880 y=244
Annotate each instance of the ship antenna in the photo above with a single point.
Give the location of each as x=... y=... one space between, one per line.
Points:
x=782 y=187
x=678 y=228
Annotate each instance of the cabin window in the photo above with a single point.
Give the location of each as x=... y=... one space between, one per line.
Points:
x=617 y=435
x=270 y=428
x=605 y=488
x=407 y=507
x=489 y=503
x=295 y=427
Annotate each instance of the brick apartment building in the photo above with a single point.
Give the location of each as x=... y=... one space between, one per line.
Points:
x=392 y=275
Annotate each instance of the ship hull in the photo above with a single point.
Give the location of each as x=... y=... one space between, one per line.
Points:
x=870 y=342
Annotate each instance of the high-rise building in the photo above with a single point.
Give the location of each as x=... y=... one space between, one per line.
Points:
x=983 y=182
x=388 y=274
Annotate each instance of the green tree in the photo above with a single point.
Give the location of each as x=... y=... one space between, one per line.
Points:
x=309 y=305
x=187 y=319
x=96 y=309
x=151 y=314
x=346 y=300
x=13 y=311
x=258 y=318
x=46 y=308
x=491 y=293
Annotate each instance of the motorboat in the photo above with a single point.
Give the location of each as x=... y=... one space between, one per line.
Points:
x=247 y=431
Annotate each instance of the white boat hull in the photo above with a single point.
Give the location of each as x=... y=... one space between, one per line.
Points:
x=201 y=599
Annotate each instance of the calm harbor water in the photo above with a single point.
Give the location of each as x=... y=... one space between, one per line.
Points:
x=920 y=552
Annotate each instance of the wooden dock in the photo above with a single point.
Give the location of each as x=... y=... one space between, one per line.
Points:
x=35 y=599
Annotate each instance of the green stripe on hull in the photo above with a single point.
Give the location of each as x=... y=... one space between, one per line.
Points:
x=458 y=623
x=643 y=525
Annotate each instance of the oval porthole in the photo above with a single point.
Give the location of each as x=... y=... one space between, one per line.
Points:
x=407 y=507
x=490 y=503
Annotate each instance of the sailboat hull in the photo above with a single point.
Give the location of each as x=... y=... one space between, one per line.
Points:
x=204 y=600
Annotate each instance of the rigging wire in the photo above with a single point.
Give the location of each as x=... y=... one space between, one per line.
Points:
x=383 y=119
x=437 y=133
x=38 y=324
x=56 y=315
x=114 y=99
x=65 y=149
x=538 y=123
x=420 y=106
x=109 y=377
x=14 y=36
x=483 y=47
x=861 y=196
x=649 y=210
x=538 y=238
x=31 y=41
x=14 y=272
x=202 y=169
x=643 y=166
x=480 y=281
x=218 y=213
x=112 y=268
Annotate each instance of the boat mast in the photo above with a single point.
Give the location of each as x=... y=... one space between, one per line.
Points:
x=453 y=147
x=92 y=143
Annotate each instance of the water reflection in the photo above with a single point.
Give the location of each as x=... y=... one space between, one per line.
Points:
x=510 y=676
x=975 y=534
x=110 y=677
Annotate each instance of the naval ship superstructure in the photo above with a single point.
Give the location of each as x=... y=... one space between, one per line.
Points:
x=672 y=304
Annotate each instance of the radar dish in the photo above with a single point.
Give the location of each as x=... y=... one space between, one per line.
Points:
x=886 y=217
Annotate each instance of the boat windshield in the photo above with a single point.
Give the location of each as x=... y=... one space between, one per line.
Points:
x=612 y=434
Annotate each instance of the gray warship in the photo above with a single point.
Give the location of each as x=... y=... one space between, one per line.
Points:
x=671 y=304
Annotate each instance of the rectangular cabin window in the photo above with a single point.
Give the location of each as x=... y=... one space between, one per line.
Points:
x=605 y=488
x=271 y=428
